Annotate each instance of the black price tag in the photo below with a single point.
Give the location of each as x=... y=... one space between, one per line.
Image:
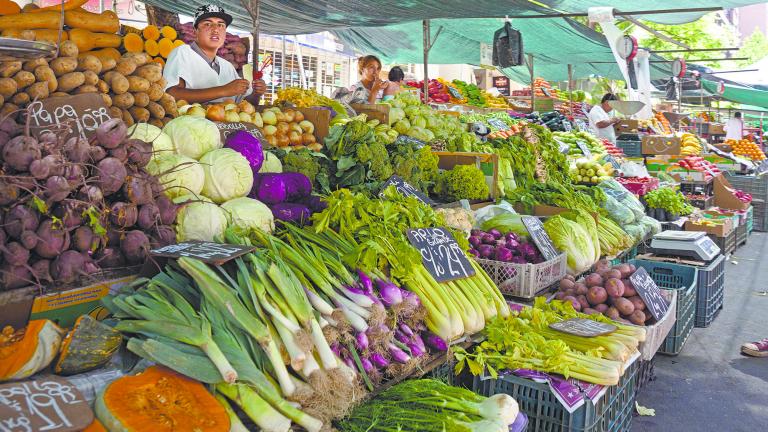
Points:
x=584 y=148
x=406 y=189
x=498 y=124
x=540 y=237
x=405 y=139
x=454 y=92
x=48 y=403
x=612 y=160
x=580 y=125
x=650 y=293
x=209 y=252
x=440 y=254
x=583 y=327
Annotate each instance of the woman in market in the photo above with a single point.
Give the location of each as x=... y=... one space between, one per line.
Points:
x=370 y=84
x=396 y=77
x=195 y=73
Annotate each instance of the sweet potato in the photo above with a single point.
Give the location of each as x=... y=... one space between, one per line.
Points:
x=103 y=22
x=137 y=84
x=63 y=65
x=8 y=87
x=125 y=100
x=44 y=74
x=71 y=81
x=9 y=68
x=91 y=78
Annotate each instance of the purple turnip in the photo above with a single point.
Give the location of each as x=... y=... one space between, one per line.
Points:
x=9 y=192
x=495 y=233
x=120 y=153
x=57 y=188
x=15 y=254
x=20 y=151
x=111 y=133
x=135 y=246
x=503 y=254
x=28 y=239
x=96 y=154
x=77 y=150
x=68 y=266
x=52 y=240
x=19 y=219
x=110 y=174
x=12 y=277
x=475 y=241
x=488 y=239
x=84 y=240
x=123 y=215
x=110 y=257
x=137 y=188
x=149 y=216
x=164 y=235
x=139 y=152
x=70 y=213
x=41 y=270
x=474 y=252
x=485 y=250
x=91 y=194
x=167 y=210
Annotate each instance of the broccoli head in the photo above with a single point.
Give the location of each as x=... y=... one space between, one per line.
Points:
x=302 y=161
x=380 y=167
x=461 y=182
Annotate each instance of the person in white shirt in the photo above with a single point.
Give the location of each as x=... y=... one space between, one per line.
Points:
x=734 y=129
x=195 y=73
x=600 y=122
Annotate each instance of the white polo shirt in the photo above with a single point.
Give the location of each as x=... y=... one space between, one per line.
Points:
x=197 y=73
x=596 y=115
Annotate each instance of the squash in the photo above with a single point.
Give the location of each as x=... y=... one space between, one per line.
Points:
x=87 y=40
x=164 y=47
x=26 y=351
x=159 y=400
x=133 y=43
x=71 y=4
x=159 y=60
x=82 y=19
x=42 y=20
x=177 y=43
x=8 y=7
x=96 y=426
x=104 y=53
x=169 y=32
x=151 y=32
x=151 y=48
x=89 y=345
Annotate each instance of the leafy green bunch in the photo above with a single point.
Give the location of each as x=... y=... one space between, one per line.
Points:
x=361 y=160
x=461 y=182
x=668 y=199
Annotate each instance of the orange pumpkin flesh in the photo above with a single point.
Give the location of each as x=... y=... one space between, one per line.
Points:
x=28 y=350
x=96 y=426
x=161 y=400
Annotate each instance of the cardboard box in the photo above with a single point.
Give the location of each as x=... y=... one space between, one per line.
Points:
x=379 y=112
x=626 y=126
x=321 y=118
x=487 y=162
x=15 y=306
x=719 y=231
x=716 y=129
x=724 y=195
x=683 y=175
x=660 y=145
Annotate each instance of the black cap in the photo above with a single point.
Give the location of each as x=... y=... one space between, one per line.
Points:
x=212 y=10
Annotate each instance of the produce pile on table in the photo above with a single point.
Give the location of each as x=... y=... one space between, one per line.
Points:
x=746 y=148
x=590 y=171
x=510 y=247
x=87 y=30
x=594 y=145
x=690 y=145
x=70 y=207
x=698 y=163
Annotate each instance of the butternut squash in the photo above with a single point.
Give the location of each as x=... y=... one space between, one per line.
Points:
x=159 y=400
x=8 y=7
x=133 y=43
x=89 y=345
x=159 y=60
x=151 y=32
x=42 y=20
x=72 y=4
x=26 y=351
x=82 y=19
x=87 y=40
x=47 y=35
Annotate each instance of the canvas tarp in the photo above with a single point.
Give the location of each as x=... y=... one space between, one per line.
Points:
x=742 y=95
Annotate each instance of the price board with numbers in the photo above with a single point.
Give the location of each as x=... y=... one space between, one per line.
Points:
x=213 y=253
x=47 y=403
x=540 y=237
x=406 y=189
x=650 y=293
x=584 y=148
x=583 y=327
x=498 y=124
x=405 y=139
x=440 y=254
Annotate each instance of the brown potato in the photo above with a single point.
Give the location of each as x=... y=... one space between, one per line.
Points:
x=169 y=105
x=8 y=87
x=91 y=77
x=107 y=99
x=141 y=99
x=20 y=99
x=140 y=59
x=152 y=72
x=115 y=112
x=125 y=66
x=24 y=79
x=86 y=88
x=137 y=84
x=155 y=92
x=108 y=64
x=102 y=86
x=71 y=81
x=68 y=49
x=89 y=63
x=63 y=65
x=162 y=82
x=156 y=122
x=127 y=118
x=124 y=100
x=139 y=114
x=44 y=74
x=9 y=68
x=59 y=94
x=156 y=110
x=31 y=65
x=118 y=83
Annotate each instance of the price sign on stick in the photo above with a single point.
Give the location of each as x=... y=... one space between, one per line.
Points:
x=612 y=160
x=498 y=124
x=213 y=253
x=584 y=148
x=406 y=189
x=440 y=254
x=650 y=293
x=583 y=327
x=540 y=237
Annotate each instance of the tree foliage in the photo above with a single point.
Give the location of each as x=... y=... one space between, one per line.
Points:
x=754 y=48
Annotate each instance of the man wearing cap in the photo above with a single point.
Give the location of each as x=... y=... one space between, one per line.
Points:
x=195 y=73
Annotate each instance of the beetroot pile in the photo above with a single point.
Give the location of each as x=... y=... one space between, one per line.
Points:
x=70 y=208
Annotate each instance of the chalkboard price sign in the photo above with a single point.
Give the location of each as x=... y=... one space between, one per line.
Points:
x=440 y=254
x=454 y=92
x=540 y=237
x=405 y=139
x=498 y=124
x=583 y=327
x=213 y=253
x=406 y=189
x=612 y=160
x=650 y=293
x=45 y=404
x=584 y=148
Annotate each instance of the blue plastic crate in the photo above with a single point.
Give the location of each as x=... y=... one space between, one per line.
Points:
x=683 y=279
x=645 y=373
x=611 y=413
x=711 y=287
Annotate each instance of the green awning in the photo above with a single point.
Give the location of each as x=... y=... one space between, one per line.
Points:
x=742 y=95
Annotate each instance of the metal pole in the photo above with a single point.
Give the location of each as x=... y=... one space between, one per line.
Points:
x=615 y=13
x=570 y=89
x=533 y=90
x=283 y=75
x=427 y=46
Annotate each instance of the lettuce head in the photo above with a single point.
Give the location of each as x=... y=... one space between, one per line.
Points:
x=193 y=136
x=179 y=175
x=199 y=218
x=228 y=175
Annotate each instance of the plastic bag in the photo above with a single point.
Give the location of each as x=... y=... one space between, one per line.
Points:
x=636 y=230
x=620 y=214
x=624 y=197
x=654 y=226
x=488 y=212
x=632 y=169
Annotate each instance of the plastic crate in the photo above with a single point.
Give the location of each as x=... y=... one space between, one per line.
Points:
x=701 y=204
x=625 y=256
x=631 y=148
x=710 y=292
x=697 y=187
x=611 y=413
x=683 y=279
x=646 y=373
x=741 y=235
x=525 y=280
x=758 y=216
x=750 y=220
x=727 y=244
x=754 y=185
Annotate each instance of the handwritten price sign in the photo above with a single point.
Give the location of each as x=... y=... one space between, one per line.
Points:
x=440 y=254
x=215 y=253
x=81 y=115
x=45 y=404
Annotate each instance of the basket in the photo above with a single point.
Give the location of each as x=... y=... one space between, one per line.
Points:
x=657 y=333
x=680 y=278
x=525 y=280
x=726 y=244
x=645 y=373
x=750 y=218
x=625 y=256
x=756 y=186
x=741 y=235
x=711 y=287
x=639 y=188
x=611 y=413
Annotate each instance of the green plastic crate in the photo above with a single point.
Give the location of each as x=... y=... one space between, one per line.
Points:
x=711 y=291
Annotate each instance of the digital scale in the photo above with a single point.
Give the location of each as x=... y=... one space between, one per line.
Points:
x=692 y=244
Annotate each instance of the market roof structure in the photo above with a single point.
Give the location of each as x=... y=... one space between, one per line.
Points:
x=735 y=93
x=312 y=16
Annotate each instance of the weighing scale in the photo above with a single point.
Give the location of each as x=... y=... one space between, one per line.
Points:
x=692 y=244
x=627 y=108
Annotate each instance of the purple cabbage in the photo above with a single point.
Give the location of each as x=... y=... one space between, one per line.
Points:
x=249 y=146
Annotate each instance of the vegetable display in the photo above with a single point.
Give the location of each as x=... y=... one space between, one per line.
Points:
x=505 y=247
x=669 y=200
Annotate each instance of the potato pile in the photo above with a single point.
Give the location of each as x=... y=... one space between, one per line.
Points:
x=608 y=291
x=131 y=85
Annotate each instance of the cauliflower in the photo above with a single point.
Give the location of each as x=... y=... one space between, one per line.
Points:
x=462 y=182
x=457 y=218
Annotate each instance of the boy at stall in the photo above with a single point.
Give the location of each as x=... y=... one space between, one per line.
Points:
x=195 y=73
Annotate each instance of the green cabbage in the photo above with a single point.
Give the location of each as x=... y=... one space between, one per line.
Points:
x=179 y=175
x=271 y=164
x=402 y=126
x=199 y=220
x=193 y=136
x=396 y=114
x=161 y=142
x=248 y=214
x=573 y=239
x=228 y=175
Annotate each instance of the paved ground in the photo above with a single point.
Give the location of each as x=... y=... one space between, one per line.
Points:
x=709 y=386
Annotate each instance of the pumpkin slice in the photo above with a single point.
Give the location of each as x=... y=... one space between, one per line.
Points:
x=96 y=426
x=159 y=400
x=25 y=351
x=89 y=345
